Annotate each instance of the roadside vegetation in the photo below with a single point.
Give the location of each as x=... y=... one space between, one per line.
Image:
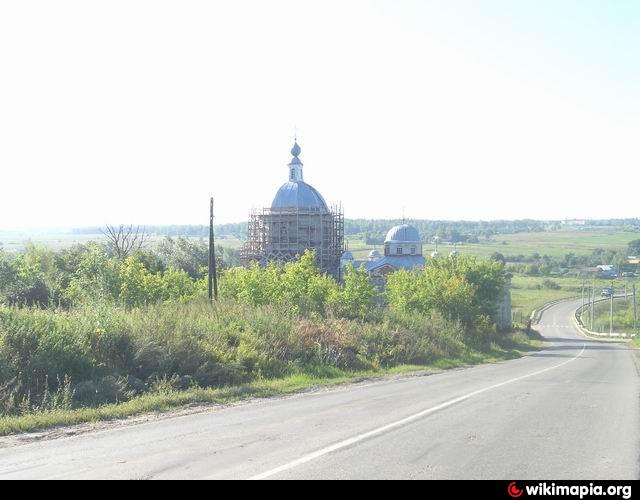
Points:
x=624 y=320
x=85 y=335
x=529 y=294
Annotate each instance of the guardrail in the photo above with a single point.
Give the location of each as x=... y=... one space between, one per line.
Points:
x=536 y=315
x=581 y=326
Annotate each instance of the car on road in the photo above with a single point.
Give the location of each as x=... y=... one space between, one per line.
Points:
x=607 y=292
x=629 y=275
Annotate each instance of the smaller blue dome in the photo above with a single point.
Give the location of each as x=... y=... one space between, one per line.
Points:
x=296 y=150
x=299 y=194
x=347 y=256
x=403 y=234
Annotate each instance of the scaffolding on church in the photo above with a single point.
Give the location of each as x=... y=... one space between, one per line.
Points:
x=283 y=235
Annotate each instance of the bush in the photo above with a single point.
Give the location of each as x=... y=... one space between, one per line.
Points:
x=461 y=290
x=551 y=285
x=137 y=327
x=110 y=354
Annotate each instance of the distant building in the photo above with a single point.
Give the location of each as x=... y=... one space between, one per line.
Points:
x=402 y=250
x=575 y=222
x=299 y=219
x=607 y=271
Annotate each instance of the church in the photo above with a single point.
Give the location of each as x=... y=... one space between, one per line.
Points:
x=403 y=249
x=298 y=219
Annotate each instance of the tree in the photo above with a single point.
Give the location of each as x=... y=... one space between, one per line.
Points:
x=634 y=248
x=7 y=273
x=461 y=289
x=33 y=278
x=357 y=298
x=177 y=285
x=299 y=285
x=124 y=240
x=191 y=256
x=304 y=287
x=96 y=277
x=498 y=257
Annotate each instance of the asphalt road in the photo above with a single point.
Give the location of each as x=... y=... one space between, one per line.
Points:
x=570 y=411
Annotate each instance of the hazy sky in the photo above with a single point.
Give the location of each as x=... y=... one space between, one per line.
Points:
x=138 y=111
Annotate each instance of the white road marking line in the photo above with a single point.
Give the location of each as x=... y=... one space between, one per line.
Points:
x=400 y=423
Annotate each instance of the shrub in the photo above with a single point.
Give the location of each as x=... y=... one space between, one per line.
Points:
x=551 y=285
x=462 y=290
x=109 y=354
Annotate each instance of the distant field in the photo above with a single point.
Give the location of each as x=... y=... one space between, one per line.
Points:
x=15 y=241
x=529 y=294
x=553 y=244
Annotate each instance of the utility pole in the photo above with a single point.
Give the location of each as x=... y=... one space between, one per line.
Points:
x=626 y=300
x=213 y=274
x=635 y=311
x=611 y=322
x=593 y=304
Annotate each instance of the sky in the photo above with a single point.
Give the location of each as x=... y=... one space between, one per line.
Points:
x=138 y=111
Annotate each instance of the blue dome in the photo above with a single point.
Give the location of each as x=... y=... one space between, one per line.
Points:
x=299 y=195
x=403 y=234
x=347 y=256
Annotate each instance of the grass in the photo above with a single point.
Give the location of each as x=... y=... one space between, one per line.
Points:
x=510 y=347
x=623 y=316
x=553 y=243
x=529 y=293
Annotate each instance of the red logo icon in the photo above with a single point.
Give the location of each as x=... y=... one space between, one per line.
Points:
x=514 y=491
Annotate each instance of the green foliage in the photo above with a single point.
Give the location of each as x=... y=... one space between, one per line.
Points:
x=634 y=248
x=132 y=327
x=106 y=354
x=141 y=287
x=30 y=279
x=191 y=256
x=304 y=287
x=551 y=285
x=357 y=298
x=96 y=277
x=461 y=289
x=298 y=285
x=498 y=257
